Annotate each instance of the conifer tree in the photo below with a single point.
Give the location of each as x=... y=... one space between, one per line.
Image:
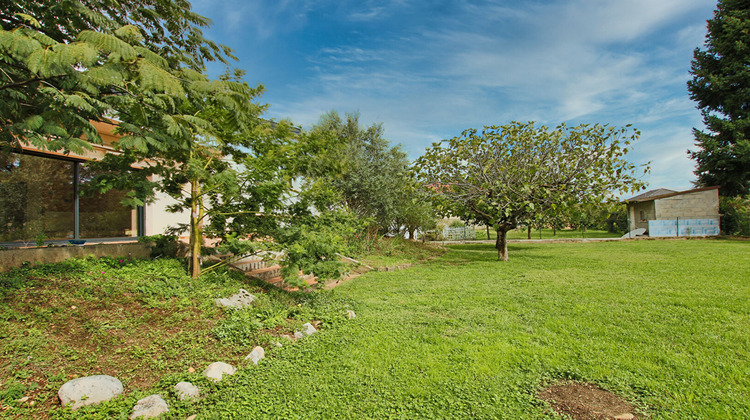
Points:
x=721 y=87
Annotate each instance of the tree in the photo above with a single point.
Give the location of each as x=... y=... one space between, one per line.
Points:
x=65 y=63
x=372 y=176
x=201 y=141
x=721 y=87
x=506 y=175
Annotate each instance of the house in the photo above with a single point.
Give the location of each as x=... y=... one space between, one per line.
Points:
x=665 y=212
x=39 y=199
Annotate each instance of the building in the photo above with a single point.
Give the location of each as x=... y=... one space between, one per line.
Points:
x=39 y=199
x=665 y=212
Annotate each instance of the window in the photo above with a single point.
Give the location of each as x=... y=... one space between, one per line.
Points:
x=38 y=198
x=643 y=216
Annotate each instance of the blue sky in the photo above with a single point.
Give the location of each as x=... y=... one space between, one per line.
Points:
x=430 y=69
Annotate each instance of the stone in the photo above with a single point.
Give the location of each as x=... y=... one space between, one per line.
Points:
x=193 y=417
x=308 y=329
x=187 y=391
x=240 y=300
x=256 y=355
x=350 y=314
x=625 y=416
x=89 y=390
x=277 y=344
x=215 y=371
x=149 y=407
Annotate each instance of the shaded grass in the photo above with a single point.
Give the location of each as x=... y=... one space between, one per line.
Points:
x=662 y=323
x=389 y=252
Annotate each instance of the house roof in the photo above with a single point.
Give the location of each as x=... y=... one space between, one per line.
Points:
x=663 y=193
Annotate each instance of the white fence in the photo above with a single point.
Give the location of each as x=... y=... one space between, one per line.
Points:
x=459 y=233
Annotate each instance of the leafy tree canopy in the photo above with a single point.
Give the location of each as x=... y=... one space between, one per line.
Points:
x=507 y=175
x=721 y=88
x=65 y=63
x=373 y=178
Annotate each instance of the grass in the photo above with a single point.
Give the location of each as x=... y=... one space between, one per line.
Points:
x=662 y=323
x=389 y=252
x=144 y=322
x=516 y=234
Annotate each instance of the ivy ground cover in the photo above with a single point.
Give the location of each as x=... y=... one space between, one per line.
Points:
x=664 y=324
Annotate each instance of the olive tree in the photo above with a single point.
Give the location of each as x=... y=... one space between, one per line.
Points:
x=505 y=175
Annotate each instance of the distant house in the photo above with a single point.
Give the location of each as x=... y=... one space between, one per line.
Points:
x=665 y=212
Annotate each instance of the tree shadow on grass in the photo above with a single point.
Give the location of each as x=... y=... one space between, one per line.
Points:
x=467 y=253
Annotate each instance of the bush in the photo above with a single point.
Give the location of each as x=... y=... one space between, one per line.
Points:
x=735 y=216
x=161 y=245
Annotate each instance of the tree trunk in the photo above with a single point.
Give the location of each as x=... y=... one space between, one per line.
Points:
x=501 y=244
x=529 y=232
x=488 y=232
x=196 y=229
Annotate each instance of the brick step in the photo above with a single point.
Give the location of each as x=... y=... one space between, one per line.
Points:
x=275 y=280
x=265 y=273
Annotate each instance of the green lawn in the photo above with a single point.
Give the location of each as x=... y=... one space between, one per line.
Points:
x=665 y=324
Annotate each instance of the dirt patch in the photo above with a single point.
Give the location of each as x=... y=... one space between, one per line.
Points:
x=586 y=401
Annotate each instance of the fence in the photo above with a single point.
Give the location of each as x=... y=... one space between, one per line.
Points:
x=683 y=227
x=459 y=233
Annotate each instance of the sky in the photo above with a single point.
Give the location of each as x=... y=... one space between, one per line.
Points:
x=427 y=70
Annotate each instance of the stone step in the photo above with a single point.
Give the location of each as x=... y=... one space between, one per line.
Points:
x=250 y=264
x=265 y=273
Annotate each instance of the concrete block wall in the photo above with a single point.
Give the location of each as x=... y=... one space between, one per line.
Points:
x=696 y=205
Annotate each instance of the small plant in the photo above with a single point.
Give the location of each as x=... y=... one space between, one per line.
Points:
x=40 y=238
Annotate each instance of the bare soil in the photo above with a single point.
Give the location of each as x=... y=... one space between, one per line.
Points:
x=586 y=401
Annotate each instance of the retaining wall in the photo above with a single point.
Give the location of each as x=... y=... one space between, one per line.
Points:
x=11 y=258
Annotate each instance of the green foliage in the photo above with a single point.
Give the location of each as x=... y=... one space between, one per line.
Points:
x=372 y=178
x=68 y=63
x=735 y=216
x=515 y=174
x=161 y=245
x=721 y=88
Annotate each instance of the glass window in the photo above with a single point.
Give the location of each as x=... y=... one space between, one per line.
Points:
x=36 y=198
x=103 y=215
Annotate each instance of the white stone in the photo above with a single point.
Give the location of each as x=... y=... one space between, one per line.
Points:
x=240 y=300
x=187 y=391
x=625 y=416
x=277 y=344
x=309 y=329
x=89 y=390
x=350 y=314
x=256 y=355
x=215 y=371
x=149 y=407
x=193 y=417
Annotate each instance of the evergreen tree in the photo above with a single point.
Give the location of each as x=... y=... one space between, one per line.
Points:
x=721 y=87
